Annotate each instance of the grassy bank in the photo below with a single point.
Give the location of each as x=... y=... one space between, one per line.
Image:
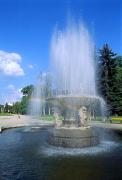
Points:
x=6 y=114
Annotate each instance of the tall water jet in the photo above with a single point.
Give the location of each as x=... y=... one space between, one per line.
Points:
x=37 y=101
x=73 y=61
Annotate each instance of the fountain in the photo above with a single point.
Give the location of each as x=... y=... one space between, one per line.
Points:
x=73 y=64
x=74 y=97
x=74 y=130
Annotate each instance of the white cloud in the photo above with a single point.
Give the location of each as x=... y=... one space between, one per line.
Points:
x=10 y=64
x=31 y=66
x=11 y=86
x=13 y=94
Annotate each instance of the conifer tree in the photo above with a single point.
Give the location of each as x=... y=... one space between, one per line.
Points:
x=107 y=68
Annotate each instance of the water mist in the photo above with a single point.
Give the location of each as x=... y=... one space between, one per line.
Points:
x=72 y=66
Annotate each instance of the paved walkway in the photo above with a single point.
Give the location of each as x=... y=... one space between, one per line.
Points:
x=20 y=121
x=117 y=127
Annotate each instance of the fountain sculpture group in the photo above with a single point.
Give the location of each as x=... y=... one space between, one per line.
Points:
x=74 y=130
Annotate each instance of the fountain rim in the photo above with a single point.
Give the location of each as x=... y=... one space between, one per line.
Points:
x=58 y=97
x=74 y=102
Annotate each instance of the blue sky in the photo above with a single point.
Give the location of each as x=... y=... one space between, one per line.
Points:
x=26 y=27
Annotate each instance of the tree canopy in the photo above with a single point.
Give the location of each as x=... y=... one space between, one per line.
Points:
x=110 y=79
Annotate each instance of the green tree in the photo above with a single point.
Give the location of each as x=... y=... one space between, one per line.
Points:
x=27 y=91
x=24 y=105
x=1 y=108
x=107 y=69
x=117 y=93
x=6 y=108
x=17 y=107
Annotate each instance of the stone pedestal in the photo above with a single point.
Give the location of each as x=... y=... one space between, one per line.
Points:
x=74 y=130
x=73 y=137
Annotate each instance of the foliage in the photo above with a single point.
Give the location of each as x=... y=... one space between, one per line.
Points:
x=27 y=91
x=1 y=108
x=17 y=107
x=22 y=106
x=8 y=108
x=110 y=79
x=117 y=94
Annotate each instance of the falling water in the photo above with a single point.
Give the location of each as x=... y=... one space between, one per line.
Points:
x=37 y=102
x=72 y=66
x=73 y=61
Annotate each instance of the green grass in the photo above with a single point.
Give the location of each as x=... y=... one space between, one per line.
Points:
x=47 y=117
x=50 y=118
x=97 y=119
x=6 y=114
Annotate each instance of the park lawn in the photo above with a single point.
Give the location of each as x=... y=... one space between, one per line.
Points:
x=47 y=117
x=97 y=118
x=6 y=114
x=50 y=118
